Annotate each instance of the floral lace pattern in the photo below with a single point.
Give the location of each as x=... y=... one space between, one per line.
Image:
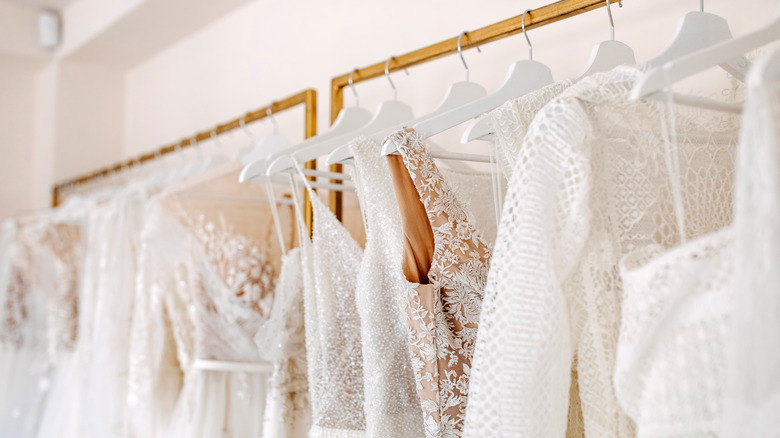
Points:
x=64 y=242
x=233 y=283
x=443 y=316
x=18 y=290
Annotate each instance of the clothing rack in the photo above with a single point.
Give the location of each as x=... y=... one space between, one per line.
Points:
x=539 y=17
x=307 y=98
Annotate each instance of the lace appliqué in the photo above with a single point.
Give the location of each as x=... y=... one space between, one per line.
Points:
x=443 y=316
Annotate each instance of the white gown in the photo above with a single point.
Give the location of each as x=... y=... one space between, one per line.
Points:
x=282 y=341
x=331 y=261
x=752 y=392
x=23 y=337
x=590 y=185
x=697 y=354
x=216 y=287
x=392 y=406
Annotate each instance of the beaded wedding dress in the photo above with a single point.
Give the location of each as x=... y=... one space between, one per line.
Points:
x=590 y=184
x=331 y=260
x=392 y=406
x=282 y=341
x=443 y=314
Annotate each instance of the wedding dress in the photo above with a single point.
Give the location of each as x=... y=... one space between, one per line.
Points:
x=392 y=406
x=331 y=260
x=61 y=250
x=590 y=184
x=752 y=387
x=206 y=287
x=690 y=360
x=282 y=341
x=23 y=334
x=443 y=314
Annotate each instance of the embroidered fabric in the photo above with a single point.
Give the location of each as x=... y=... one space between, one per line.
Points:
x=590 y=185
x=511 y=120
x=443 y=316
x=331 y=260
x=63 y=243
x=217 y=286
x=670 y=356
x=392 y=406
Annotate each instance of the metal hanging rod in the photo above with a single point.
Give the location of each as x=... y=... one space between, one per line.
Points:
x=307 y=98
x=534 y=18
x=539 y=17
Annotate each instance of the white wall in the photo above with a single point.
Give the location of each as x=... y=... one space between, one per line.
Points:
x=17 y=138
x=266 y=50
x=84 y=115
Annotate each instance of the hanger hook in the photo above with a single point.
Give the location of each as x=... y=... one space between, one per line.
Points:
x=389 y=79
x=530 y=46
x=387 y=75
x=242 y=124
x=352 y=87
x=269 y=113
x=611 y=22
x=215 y=137
x=460 y=53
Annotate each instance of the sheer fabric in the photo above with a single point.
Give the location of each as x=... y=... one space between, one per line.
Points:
x=670 y=363
x=443 y=316
x=217 y=288
x=282 y=341
x=590 y=184
x=392 y=406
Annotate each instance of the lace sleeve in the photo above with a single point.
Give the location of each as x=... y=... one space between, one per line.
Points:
x=522 y=369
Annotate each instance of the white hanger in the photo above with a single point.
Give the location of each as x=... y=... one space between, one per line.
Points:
x=657 y=79
x=389 y=117
x=459 y=94
x=349 y=120
x=609 y=54
x=698 y=30
x=212 y=167
x=246 y=150
x=255 y=163
x=522 y=78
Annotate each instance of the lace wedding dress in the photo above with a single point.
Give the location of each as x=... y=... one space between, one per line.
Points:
x=696 y=355
x=752 y=387
x=22 y=334
x=331 y=260
x=392 y=406
x=62 y=246
x=217 y=287
x=590 y=184
x=443 y=315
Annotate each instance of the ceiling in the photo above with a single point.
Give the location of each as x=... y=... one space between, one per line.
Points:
x=42 y=4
